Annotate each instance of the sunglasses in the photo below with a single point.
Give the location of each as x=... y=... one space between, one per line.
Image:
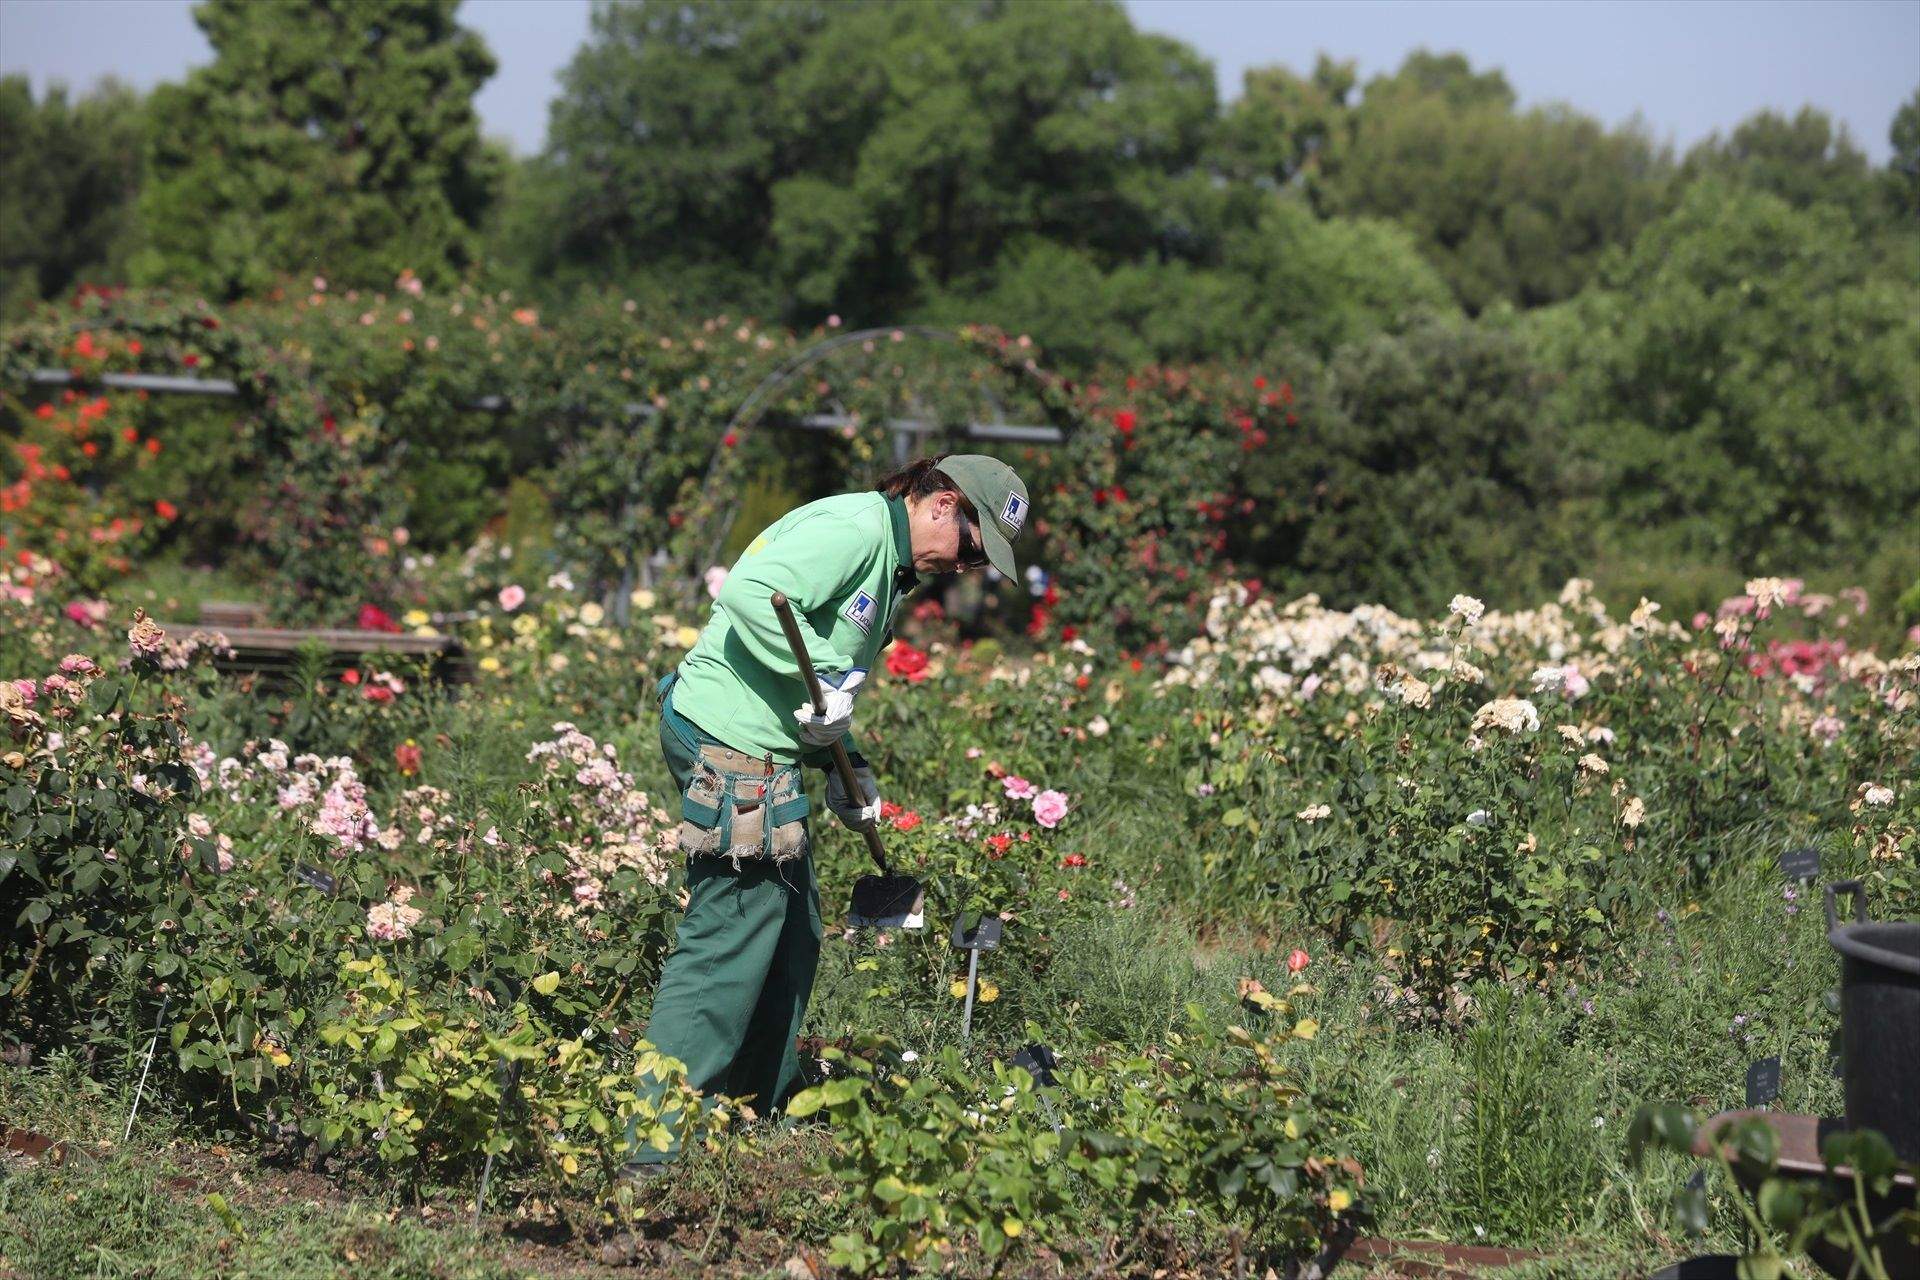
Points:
x=972 y=556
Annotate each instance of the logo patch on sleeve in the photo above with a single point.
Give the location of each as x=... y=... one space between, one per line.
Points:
x=862 y=611
x=1014 y=514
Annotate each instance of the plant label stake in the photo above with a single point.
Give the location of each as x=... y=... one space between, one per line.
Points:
x=318 y=879
x=153 y=1044
x=1038 y=1061
x=983 y=936
x=1763 y=1082
x=885 y=900
x=509 y=1077
x=1800 y=864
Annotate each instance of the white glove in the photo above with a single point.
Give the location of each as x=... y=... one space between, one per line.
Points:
x=853 y=815
x=838 y=692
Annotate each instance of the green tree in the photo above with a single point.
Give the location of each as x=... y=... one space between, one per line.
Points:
x=1903 y=169
x=866 y=156
x=1750 y=379
x=337 y=136
x=69 y=172
x=1283 y=128
x=1805 y=160
x=1427 y=462
x=1510 y=206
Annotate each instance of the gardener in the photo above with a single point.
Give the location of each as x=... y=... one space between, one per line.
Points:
x=735 y=717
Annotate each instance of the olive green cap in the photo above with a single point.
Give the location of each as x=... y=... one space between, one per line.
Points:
x=1000 y=498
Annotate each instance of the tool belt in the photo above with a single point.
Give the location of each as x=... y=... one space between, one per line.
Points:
x=737 y=806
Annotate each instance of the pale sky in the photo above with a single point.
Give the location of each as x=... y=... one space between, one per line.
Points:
x=1687 y=67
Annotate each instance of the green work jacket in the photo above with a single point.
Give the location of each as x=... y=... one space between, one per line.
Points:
x=839 y=562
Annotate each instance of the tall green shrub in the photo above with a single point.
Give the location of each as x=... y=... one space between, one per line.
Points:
x=336 y=137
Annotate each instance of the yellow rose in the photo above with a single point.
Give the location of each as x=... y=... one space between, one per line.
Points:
x=1339 y=1199
x=591 y=614
x=641 y=598
x=687 y=637
x=416 y=618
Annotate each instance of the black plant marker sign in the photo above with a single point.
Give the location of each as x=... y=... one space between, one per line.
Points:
x=1763 y=1082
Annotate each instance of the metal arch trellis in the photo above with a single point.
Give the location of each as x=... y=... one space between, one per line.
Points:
x=904 y=429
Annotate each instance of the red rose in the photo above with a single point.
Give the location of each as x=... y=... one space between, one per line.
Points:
x=730 y=439
x=350 y=676
x=1074 y=860
x=164 y=509
x=1259 y=383
x=374 y=618
x=907 y=662
x=43 y=411
x=1082 y=681
x=890 y=810
x=378 y=693
x=191 y=361
x=1069 y=632
x=906 y=821
x=407 y=757
x=1297 y=960
x=997 y=845
x=1125 y=421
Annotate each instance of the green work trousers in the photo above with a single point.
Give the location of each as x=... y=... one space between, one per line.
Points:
x=734 y=991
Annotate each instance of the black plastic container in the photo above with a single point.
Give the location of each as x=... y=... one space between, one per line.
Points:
x=1879 y=1020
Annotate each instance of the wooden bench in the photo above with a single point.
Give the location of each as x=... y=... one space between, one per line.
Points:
x=265 y=650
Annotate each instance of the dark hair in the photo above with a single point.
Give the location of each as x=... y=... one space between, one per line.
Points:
x=919 y=479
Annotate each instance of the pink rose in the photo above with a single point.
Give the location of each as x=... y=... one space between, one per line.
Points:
x=716 y=577
x=512 y=597
x=1049 y=807
x=28 y=690
x=1018 y=788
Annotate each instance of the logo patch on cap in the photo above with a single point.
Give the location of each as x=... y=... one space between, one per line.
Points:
x=862 y=611
x=1014 y=514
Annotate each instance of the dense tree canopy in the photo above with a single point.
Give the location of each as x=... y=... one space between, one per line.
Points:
x=1750 y=379
x=868 y=155
x=337 y=136
x=69 y=172
x=1510 y=206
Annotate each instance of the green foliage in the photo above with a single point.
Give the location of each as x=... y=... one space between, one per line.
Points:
x=1424 y=459
x=1219 y=1123
x=1748 y=380
x=1509 y=206
x=1847 y=1210
x=1903 y=170
x=862 y=155
x=1805 y=161
x=336 y=138
x=69 y=173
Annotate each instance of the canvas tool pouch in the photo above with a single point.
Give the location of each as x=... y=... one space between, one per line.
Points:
x=740 y=806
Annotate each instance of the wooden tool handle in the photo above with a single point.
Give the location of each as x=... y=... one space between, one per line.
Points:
x=841 y=763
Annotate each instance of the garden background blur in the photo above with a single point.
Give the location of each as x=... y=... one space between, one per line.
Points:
x=1494 y=345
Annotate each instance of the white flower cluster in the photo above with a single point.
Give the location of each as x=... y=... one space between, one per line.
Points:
x=621 y=827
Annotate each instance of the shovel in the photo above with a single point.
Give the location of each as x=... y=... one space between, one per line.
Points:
x=885 y=900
